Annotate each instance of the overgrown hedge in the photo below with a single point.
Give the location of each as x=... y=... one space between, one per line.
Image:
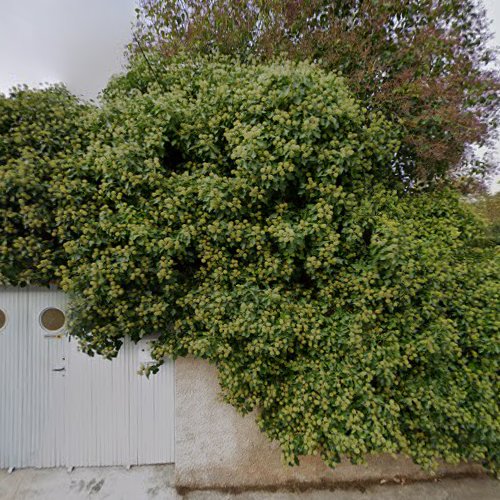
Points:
x=251 y=215
x=40 y=130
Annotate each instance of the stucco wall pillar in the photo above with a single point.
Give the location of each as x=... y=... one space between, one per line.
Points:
x=215 y=447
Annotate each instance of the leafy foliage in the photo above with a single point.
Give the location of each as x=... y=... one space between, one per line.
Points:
x=251 y=215
x=488 y=207
x=38 y=130
x=424 y=64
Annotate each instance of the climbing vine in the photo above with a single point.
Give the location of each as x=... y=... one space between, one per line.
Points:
x=251 y=215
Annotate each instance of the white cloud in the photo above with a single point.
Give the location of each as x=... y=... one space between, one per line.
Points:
x=78 y=42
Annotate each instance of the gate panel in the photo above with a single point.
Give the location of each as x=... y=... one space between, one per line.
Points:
x=101 y=405
x=31 y=394
x=59 y=406
x=115 y=416
x=48 y=351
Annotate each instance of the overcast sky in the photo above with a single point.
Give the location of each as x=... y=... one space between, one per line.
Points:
x=81 y=42
x=78 y=42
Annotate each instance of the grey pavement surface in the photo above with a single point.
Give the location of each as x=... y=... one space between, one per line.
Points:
x=156 y=483
x=448 y=489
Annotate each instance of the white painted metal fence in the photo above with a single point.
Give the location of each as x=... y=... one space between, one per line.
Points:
x=60 y=407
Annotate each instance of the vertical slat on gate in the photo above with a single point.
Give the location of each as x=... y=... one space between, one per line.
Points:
x=7 y=344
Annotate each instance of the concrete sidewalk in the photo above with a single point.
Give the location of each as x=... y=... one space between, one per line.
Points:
x=447 y=489
x=98 y=483
x=156 y=483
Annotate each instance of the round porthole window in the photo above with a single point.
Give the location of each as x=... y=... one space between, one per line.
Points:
x=52 y=319
x=3 y=319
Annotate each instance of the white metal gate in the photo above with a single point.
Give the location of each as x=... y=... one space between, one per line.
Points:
x=60 y=407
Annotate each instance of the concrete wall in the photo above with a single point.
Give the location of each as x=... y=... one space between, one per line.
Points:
x=217 y=448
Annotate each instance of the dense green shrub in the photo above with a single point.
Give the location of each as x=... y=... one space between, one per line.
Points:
x=248 y=214
x=488 y=207
x=38 y=130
